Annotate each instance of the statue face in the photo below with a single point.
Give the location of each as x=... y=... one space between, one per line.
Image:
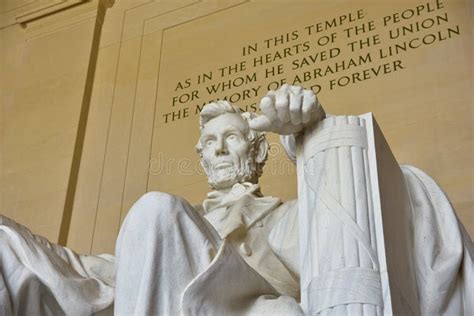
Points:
x=226 y=154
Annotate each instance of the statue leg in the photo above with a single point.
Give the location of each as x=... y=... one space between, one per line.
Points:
x=162 y=246
x=40 y=278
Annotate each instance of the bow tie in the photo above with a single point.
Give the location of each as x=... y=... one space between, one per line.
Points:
x=242 y=206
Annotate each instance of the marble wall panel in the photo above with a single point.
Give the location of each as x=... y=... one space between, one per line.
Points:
x=146 y=48
x=46 y=65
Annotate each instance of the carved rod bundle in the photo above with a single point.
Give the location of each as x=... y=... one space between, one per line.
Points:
x=339 y=266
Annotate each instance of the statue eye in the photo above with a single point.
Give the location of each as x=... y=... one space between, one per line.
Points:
x=209 y=142
x=232 y=137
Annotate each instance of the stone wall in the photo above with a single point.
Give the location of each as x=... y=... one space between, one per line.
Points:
x=100 y=99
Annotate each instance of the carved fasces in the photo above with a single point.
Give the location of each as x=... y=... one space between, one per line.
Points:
x=339 y=265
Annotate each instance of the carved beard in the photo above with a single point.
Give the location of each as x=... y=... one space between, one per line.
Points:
x=224 y=178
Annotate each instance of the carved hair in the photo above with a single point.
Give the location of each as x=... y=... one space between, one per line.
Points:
x=257 y=139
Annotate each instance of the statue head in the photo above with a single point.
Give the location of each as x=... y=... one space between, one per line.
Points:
x=230 y=151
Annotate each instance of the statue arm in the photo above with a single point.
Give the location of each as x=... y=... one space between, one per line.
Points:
x=289 y=144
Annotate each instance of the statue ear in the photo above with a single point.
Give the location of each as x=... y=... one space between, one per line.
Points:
x=262 y=151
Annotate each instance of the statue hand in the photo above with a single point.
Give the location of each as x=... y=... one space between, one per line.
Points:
x=288 y=110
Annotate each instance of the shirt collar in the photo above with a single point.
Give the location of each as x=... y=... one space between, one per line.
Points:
x=242 y=206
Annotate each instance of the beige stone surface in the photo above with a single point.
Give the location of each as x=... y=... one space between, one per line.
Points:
x=45 y=62
x=145 y=48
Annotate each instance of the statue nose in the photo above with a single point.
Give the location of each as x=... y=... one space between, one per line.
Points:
x=221 y=148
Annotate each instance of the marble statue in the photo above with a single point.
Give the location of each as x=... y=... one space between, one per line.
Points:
x=365 y=237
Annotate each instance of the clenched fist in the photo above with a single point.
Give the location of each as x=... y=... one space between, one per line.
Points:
x=288 y=110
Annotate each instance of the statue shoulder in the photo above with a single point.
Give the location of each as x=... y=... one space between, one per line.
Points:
x=284 y=236
x=288 y=218
x=291 y=205
x=200 y=209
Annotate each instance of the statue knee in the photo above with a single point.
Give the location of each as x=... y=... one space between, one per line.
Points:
x=152 y=219
x=3 y=242
x=157 y=198
x=158 y=207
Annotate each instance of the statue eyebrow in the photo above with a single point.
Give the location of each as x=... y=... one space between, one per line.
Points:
x=206 y=137
x=232 y=129
x=227 y=130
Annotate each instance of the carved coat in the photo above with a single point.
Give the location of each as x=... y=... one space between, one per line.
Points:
x=170 y=261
